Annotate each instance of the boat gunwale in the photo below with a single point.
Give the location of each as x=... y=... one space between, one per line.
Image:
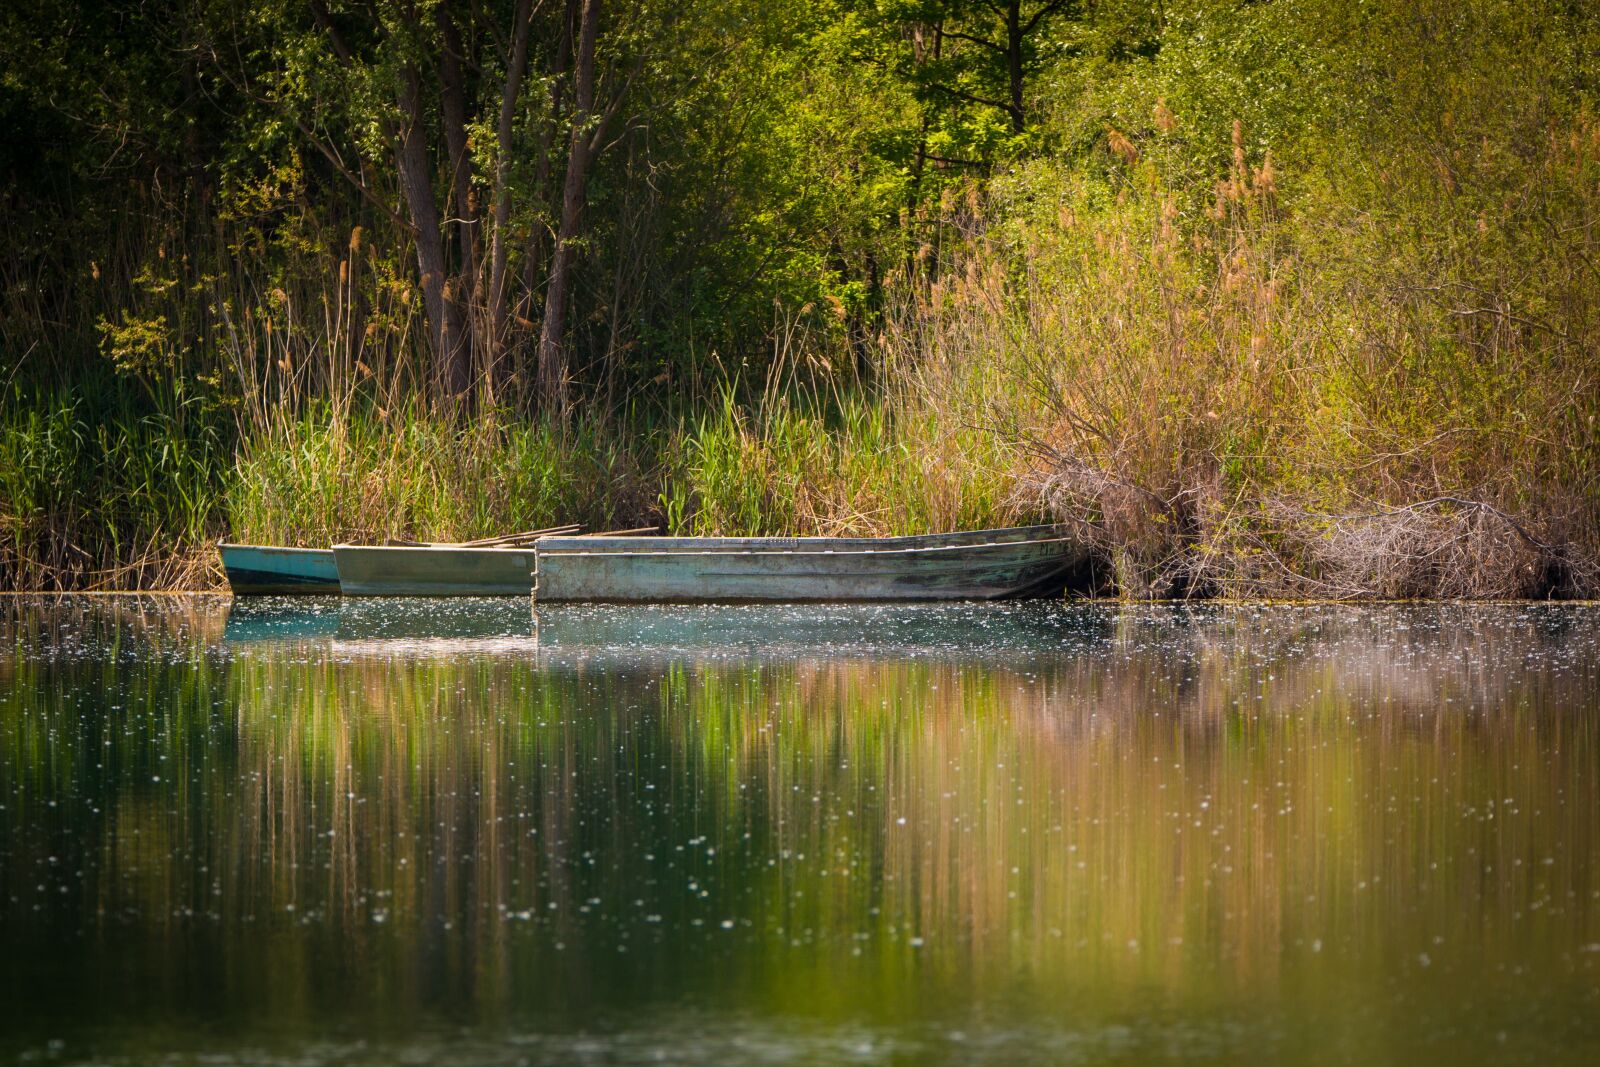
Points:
x=905 y=552
x=297 y=549
x=427 y=548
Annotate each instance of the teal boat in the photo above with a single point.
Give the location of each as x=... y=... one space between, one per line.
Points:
x=263 y=570
x=1024 y=561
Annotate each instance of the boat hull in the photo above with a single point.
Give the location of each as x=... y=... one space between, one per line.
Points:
x=982 y=565
x=433 y=570
x=266 y=570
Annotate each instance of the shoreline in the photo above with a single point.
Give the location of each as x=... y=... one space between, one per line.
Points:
x=1231 y=602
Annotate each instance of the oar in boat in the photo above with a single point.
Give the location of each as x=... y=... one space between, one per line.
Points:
x=489 y=542
x=526 y=535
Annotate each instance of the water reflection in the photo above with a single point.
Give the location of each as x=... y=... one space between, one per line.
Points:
x=995 y=833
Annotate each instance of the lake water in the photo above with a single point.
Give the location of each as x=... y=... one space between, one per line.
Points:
x=457 y=832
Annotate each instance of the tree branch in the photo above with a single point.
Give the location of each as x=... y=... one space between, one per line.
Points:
x=971 y=97
x=355 y=179
x=1048 y=9
x=319 y=12
x=985 y=42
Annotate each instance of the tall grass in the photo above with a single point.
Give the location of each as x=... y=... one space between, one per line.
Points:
x=98 y=492
x=865 y=466
x=315 y=480
x=1357 y=362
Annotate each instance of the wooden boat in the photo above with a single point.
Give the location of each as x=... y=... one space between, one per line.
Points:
x=266 y=569
x=977 y=565
x=434 y=570
x=494 y=566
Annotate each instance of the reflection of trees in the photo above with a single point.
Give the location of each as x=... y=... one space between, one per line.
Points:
x=1182 y=799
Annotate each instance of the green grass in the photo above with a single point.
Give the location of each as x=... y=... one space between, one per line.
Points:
x=318 y=480
x=99 y=491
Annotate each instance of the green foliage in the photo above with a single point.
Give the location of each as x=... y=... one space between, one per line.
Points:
x=1206 y=277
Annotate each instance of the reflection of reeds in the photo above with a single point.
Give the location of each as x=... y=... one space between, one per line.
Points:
x=1185 y=794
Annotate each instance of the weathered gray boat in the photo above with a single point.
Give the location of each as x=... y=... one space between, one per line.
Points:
x=1021 y=561
x=434 y=570
x=267 y=569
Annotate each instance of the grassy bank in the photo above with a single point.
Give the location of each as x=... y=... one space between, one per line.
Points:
x=99 y=489
x=1294 y=299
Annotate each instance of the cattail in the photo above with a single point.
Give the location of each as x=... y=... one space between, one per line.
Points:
x=94 y=270
x=1165 y=121
x=344 y=271
x=1266 y=177
x=355 y=240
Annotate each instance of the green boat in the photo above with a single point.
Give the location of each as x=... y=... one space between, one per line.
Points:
x=434 y=570
x=262 y=570
x=1023 y=561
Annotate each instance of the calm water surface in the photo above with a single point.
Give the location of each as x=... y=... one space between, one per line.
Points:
x=458 y=832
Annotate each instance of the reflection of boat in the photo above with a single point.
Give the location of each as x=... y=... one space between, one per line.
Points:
x=628 y=636
x=281 y=620
x=371 y=623
x=433 y=570
x=978 y=565
x=264 y=569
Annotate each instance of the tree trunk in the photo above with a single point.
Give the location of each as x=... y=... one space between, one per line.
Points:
x=582 y=147
x=533 y=262
x=516 y=65
x=1014 y=35
x=453 y=100
x=416 y=185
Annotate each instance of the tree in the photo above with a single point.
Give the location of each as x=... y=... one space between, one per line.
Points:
x=967 y=59
x=588 y=130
